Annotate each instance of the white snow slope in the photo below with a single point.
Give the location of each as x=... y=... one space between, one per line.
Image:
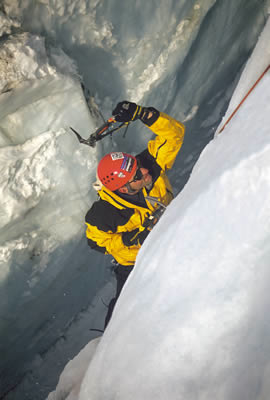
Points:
x=192 y=321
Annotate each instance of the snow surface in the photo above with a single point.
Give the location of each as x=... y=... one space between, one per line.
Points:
x=198 y=328
x=182 y=57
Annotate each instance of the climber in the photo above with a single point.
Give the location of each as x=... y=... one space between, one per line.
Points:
x=118 y=223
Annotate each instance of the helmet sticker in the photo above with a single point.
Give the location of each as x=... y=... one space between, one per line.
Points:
x=127 y=164
x=121 y=175
x=117 y=156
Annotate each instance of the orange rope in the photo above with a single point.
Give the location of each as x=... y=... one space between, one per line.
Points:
x=242 y=101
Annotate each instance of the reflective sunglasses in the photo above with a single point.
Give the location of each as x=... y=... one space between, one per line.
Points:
x=138 y=176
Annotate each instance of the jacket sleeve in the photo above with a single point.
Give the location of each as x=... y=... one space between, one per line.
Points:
x=170 y=136
x=103 y=236
x=112 y=243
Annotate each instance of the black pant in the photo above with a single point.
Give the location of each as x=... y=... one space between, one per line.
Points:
x=121 y=273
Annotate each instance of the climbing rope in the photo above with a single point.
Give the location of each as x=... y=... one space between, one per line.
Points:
x=242 y=101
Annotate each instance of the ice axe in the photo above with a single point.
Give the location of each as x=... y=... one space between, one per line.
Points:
x=153 y=218
x=110 y=126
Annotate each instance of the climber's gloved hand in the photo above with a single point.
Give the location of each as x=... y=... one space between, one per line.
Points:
x=134 y=237
x=125 y=111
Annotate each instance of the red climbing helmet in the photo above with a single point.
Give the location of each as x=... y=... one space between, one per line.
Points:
x=116 y=169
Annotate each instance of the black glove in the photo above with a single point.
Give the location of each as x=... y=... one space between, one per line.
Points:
x=151 y=220
x=127 y=111
x=134 y=237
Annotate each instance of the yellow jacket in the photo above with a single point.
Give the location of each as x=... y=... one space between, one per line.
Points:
x=112 y=215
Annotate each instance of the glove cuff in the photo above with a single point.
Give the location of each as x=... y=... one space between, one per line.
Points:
x=144 y=115
x=138 y=113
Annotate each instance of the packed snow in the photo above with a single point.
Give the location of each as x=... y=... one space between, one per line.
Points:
x=191 y=322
